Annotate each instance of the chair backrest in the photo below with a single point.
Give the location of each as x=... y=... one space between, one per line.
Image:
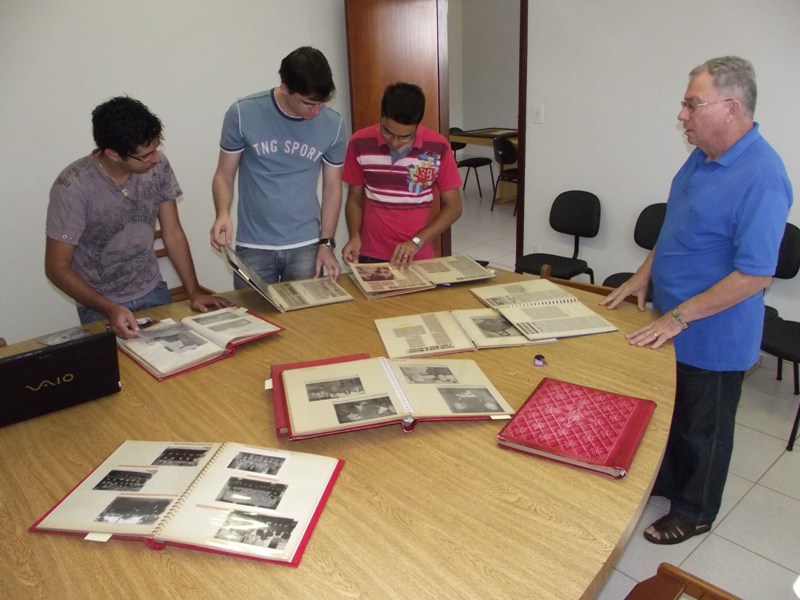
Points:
x=576 y=213
x=672 y=583
x=504 y=151
x=648 y=225
x=456 y=146
x=789 y=253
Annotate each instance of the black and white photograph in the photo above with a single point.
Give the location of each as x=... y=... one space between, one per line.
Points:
x=330 y=389
x=256 y=530
x=134 y=511
x=252 y=492
x=469 y=400
x=176 y=338
x=179 y=456
x=217 y=317
x=119 y=480
x=234 y=324
x=362 y=410
x=428 y=374
x=370 y=273
x=257 y=463
x=495 y=327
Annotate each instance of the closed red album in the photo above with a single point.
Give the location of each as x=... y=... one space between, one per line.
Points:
x=586 y=427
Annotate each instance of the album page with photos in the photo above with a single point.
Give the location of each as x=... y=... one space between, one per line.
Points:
x=226 y=498
x=288 y=295
x=445 y=332
x=345 y=396
x=168 y=348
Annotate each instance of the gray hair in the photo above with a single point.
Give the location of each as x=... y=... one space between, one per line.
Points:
x=733 y=75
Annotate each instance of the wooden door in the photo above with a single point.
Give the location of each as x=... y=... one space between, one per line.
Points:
x=398 y=40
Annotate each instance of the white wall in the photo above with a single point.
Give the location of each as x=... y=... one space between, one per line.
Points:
x=609 y=73
x=610 y=76
x=187 y=60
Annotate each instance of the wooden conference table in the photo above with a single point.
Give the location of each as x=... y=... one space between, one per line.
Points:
x=440 y=512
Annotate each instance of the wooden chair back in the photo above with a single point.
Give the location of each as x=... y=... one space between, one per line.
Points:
x=578 y=285
x=672 y=583
x=178 y=293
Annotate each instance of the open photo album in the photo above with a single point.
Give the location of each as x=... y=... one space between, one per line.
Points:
x=445 y=332
x=288 y=295
x=379 y=280
x=226 y=498
x=540 y=309
x=167 y=348
x=340 y=395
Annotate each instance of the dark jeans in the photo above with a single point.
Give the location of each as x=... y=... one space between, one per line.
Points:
x=700 y=442
x=158 y=296
x=278 y=265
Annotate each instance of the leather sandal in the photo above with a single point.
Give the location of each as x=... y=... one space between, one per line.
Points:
x=671 y=530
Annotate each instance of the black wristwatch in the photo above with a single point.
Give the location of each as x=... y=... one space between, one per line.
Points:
x=329 y=242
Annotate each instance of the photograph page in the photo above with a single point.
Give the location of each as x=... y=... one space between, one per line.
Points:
x=341 y=396
x=132 y=490
x=521 y=292
x=305 y=293
x=379 y=279
x=489 y=329
x=452 y=269
x=254 y=502
x=555 y=320
x=230 y=326
x=423 y=334
x=169 y=347
x=448 y=389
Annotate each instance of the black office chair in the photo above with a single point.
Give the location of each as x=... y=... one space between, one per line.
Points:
x=788 y=263
x=471 y=162
x=781 y=338
x=645 y=234
x=575 y=213
x=505 y=153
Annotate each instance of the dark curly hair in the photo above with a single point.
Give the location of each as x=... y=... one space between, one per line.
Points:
x=123 y=124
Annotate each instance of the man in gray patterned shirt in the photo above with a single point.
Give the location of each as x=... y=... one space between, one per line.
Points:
x=102 y=217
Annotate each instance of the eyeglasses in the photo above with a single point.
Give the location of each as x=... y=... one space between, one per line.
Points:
x=146 y=157
x=388 y=135
x=693 y=106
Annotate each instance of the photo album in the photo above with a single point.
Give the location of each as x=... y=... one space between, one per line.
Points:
x=586 y=427
x=379 y=280
x=226 y=498
x=447 y=332
x=289 y=295
x=167 y=348
x=540 y=309
x=351 y=393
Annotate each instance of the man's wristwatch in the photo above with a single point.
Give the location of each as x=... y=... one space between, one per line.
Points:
x=417 y=242
x=329 y=242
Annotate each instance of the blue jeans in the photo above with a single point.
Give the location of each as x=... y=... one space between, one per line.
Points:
x=158 y=296
x=278 y=265
x=700 y=442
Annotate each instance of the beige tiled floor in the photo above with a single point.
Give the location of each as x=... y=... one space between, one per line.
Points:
x=753 y=550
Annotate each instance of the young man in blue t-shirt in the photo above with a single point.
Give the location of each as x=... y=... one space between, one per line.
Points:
x=278 y=141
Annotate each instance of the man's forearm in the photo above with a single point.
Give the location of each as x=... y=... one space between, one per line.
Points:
x=728 y=292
